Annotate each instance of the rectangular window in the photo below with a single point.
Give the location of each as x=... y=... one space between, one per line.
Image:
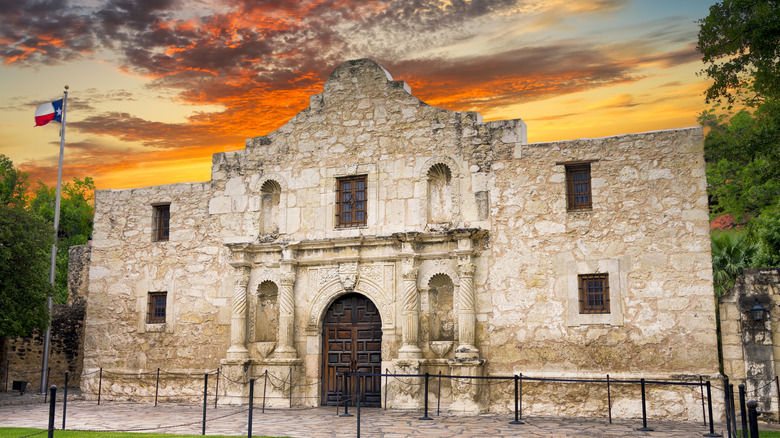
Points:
x=162 y=218
x=594 y=293
x=156 y=309
x=351 y=201
x=578 y=186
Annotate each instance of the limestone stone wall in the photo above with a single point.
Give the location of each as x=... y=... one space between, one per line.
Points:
x=468 y=252
x=127 y=264
x=648 y=229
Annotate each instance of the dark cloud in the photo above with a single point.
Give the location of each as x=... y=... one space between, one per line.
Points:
x=515 y=76
x=130 y=128
x=44 y=32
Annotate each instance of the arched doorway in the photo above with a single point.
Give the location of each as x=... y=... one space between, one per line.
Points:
x=352 y=342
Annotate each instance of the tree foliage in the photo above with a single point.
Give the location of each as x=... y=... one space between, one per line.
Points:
x=732 y=252
x=25 y=246
x=75 y=222
x=26 y=236
x=13 y=184
x=740 y=44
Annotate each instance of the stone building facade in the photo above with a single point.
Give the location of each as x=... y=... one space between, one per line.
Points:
x=373 y=232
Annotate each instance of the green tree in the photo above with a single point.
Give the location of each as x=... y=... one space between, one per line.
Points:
x=25 y=248
x=740 y=44
x=768 y=235
x=732 y=252
x=75 y=222
x=13 y=184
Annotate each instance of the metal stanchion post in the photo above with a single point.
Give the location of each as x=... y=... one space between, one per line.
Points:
x=609 y=400
x=733 y=408
x=742 y=409
x=387 y=376
x=65 y=401
x=701 y=389
x=156 y=387
x=753 y=418
x=100 y=384
x=7 y=370
x=251 y=399
x=265 y=383
x=438 y=396
x=644 y=409
x=727 y=405
x=346 y=396
x=425 y=416
x=216 y=390
x=517 y=406
x=357 y=402
x=205 y=400
x=520 y=396
x=53 y=390
x=709 y=408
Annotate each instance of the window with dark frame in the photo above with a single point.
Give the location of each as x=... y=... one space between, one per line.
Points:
x=351 y=201
x=578 y=194
x=594 y=293
x=155 y=313
x=162 y=218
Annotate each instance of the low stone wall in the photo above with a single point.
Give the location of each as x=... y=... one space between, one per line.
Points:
x=23 y=356
x=751 y=355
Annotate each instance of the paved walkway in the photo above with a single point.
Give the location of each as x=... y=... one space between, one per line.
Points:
x=318 y=422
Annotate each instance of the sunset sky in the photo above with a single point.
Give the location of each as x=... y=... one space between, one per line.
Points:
x=158 y=86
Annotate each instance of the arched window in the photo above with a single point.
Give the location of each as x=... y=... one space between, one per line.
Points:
x=439 y=194
x=267 y=312
x=271 y=193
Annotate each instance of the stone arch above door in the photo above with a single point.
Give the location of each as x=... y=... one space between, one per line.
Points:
x=334 y=289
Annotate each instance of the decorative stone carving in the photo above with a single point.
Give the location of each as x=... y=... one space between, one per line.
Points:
x=265 y=348
x=440 y=348
x=286 y=312
x=411 y=311
x=466 y=309
x=348 y=274
x=238 y=348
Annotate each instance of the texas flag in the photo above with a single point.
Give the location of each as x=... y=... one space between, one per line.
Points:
x=47 y=112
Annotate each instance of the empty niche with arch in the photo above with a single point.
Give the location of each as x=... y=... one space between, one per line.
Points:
x=439 y=193
x=271 y=194
x=267 y=312
x=441 y=293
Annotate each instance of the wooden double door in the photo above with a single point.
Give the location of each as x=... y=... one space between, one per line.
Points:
x=352 y=342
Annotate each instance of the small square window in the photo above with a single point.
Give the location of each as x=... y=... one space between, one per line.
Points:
x=161 y=222
x=351 y=201
x=594 y=293
x=155 y=313
x=578 y=194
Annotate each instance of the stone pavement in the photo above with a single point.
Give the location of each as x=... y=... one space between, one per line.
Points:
x=319 y=422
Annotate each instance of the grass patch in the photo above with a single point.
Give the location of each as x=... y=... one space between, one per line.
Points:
x=16 y=432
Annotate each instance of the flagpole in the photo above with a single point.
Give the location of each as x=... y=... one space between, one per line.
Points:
x=53 y=269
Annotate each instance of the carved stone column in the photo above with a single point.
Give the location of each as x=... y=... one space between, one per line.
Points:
x=466 y=309
x=238 y=350
x=411 y=311
x=286 y=350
